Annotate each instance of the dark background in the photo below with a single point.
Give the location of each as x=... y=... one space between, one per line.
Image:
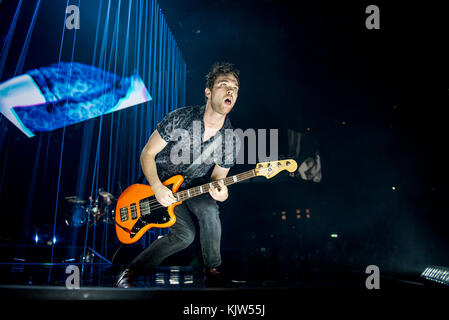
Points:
x=374 y=99
x=314 y=65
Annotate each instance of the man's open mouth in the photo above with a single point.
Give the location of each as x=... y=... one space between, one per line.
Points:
x=228 y=101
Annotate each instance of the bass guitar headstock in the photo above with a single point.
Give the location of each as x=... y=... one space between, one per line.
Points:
x=272 y=168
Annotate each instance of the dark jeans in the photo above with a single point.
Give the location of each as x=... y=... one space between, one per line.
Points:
x=182 y=234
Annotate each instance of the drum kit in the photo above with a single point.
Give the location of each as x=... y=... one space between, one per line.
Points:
x=100 y=210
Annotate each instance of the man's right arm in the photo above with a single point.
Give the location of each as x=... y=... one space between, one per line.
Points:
x=147 y=160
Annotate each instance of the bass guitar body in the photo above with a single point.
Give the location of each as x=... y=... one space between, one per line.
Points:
x=133 y=216
x=138 y=210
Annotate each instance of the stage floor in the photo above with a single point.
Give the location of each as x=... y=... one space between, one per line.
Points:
x=96 y=278
x=179 y=292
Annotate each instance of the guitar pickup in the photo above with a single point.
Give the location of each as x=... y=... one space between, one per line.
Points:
x=124 y=214
x=144 y=206
x=133 y=211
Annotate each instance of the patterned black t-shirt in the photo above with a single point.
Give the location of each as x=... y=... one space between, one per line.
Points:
x=183 y=129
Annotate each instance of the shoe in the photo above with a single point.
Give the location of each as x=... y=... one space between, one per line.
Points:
x=214 y=278
x=125 y=279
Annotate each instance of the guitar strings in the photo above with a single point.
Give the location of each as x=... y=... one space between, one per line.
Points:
x=194 y=192
x=157 y=205
x=154 y=204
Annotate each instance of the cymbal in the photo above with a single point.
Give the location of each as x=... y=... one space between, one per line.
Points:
x=105 y=194
x=74 y=199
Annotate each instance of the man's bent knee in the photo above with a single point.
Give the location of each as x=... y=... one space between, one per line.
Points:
x=182 y=239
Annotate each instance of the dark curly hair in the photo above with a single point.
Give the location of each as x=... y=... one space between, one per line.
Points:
x=218 y=69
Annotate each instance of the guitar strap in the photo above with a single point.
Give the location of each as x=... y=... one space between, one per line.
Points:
x=194 y=165
x=203 y=156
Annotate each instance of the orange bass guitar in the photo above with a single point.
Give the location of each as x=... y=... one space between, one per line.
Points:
x=138 y=210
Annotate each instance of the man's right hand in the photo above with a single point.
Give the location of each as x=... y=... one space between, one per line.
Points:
x=164 y=195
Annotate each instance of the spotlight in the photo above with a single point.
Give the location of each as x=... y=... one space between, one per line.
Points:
x=298 y=216
x=437 y=274
x=283 y=215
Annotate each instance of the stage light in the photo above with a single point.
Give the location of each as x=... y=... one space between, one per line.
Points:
x=393 y=188
x=298 y=216
x=307 y=216
x=334 y=235
x=283 y=215
x=54 y=240
x=36 y=238
x=437 y=274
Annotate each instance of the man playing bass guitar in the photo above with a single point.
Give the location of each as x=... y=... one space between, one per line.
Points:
x=191 y=130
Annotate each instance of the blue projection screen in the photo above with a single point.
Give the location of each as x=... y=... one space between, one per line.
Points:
x=68 y=93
